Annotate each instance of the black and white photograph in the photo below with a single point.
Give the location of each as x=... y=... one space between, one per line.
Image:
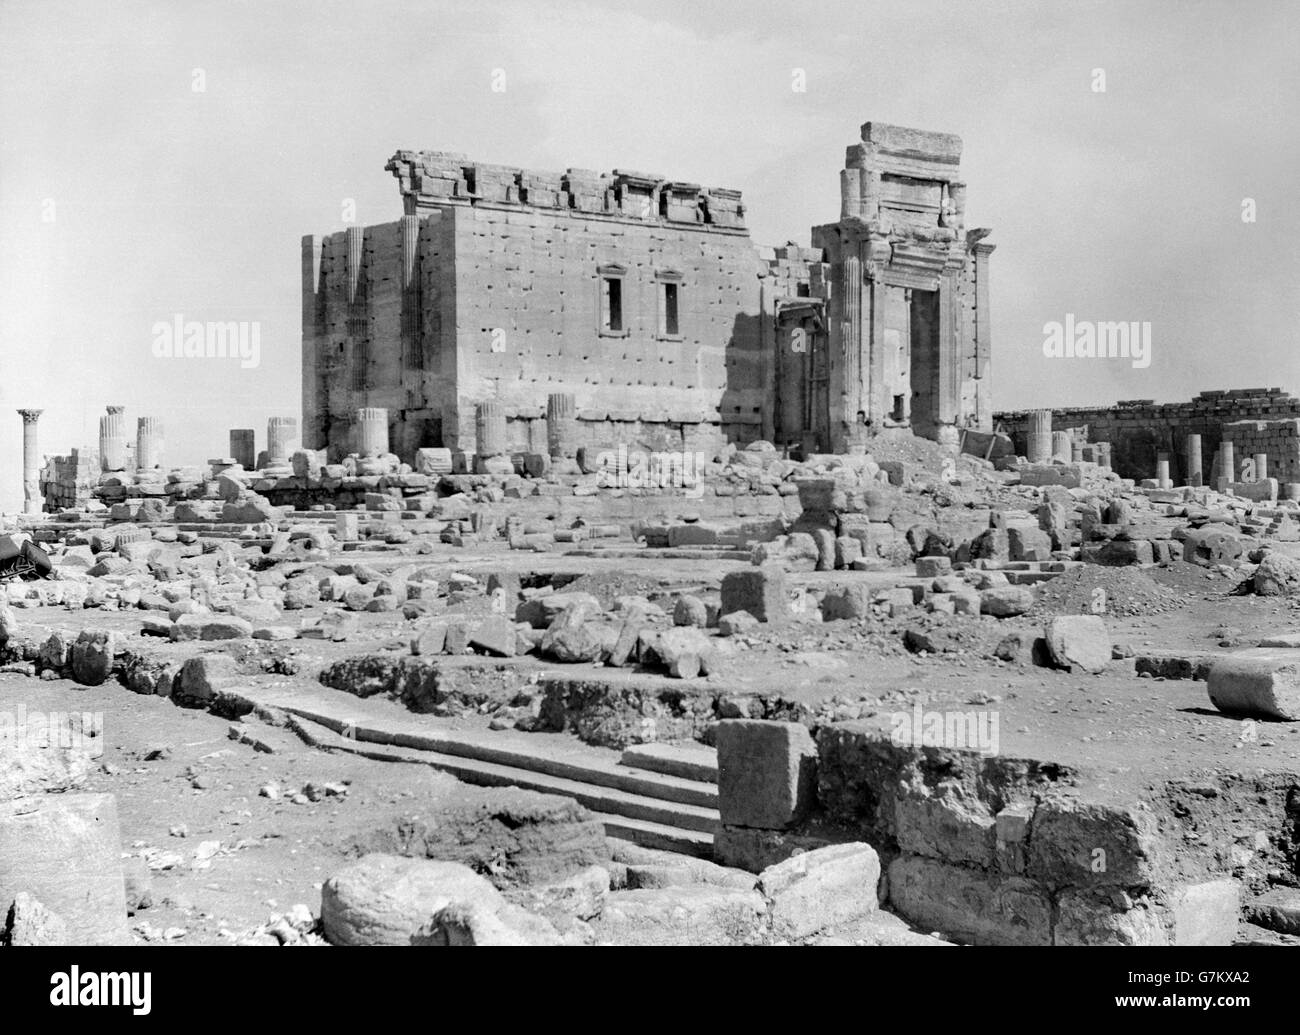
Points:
x=607 y=475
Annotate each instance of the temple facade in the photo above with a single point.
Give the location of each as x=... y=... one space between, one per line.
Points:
x=638 y=309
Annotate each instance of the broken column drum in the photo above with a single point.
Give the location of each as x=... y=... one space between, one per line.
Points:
x=1039 y=448
x=372 y=431
x=112 y=439
x=243 y=447
x=148 y=443
x=280 y=433
x=490 y=429
x=561 y=424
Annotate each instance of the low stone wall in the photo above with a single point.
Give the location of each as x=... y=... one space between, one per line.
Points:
x=998 y=850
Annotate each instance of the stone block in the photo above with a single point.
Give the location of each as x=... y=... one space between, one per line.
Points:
x=766 y=773
x=761 y=591
x=65 y=851
x=816 y=890
x=1259 y=683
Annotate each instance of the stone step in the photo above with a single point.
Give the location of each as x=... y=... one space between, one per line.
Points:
x=657 y=835
x=688 y=761
x=604 y=800
x=567 y=760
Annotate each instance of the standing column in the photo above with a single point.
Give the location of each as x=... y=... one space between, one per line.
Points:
x=1038 y=449
x=1103 y=454
x=1163 y=480
x=280 y=433
x=490 y=428
x=31 y=462
x=561 y=424
x=243 y=447
x=148 y=443
x=1227 y=464
x=1261 y=466
x=1194 y=460
x=1061 y=449
x=372 y=431
x=112 y=439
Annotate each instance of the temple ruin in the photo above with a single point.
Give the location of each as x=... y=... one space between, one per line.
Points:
x=640 y=305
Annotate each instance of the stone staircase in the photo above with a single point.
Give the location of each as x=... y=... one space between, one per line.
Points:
x=656 y=796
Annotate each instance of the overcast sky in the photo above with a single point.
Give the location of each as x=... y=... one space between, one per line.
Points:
x=128 y=196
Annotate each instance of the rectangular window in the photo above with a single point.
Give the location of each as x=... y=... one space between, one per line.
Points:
x=611 y=304
x=668 y=303
x=669 y=311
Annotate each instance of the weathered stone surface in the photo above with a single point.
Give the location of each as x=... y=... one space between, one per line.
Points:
x=387 y=900
x=767 y=772
x=760 y=591
x=92 y=656
x=211 y=627
x=1078 y=641
x=33 y=764
x=481 y=923
x=820 y=889
x=516 y=838
x=1277 y=575
x=1207 y=913
x=1260 y=682
x=581 y=895
x=1107 y=916
x=1006 y=601
x=700 y=915
x=850 y=602
x=1277 y=909
x=29 y=922
x=65 y=850
x=970 y=905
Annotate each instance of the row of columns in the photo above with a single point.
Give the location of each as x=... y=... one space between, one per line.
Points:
x=281 y=432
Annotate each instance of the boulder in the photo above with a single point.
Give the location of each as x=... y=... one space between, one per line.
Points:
x=389 y=900
x=1078 y=641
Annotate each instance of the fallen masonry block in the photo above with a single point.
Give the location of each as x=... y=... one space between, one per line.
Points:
x=1078 y=641
x=761 y=591
x=972 y=905
x=495 y=636
x=1006 y=601
x=91 y=657
x=1209 y=545
x=822 y=888
x=932 y=567
x=65 y=850
x=1206 y=914
x=1191 y=665
x=476 y=923
x=1118 y=553
x=210 y=627
x=767 y=772
x=1257 y=683
x=1278 y=910
x=386 y=899
x=29 y=922
x=1277 y=575
x=699 y=915
x=851 y=601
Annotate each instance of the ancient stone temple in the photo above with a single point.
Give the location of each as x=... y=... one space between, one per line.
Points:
x=642 y=305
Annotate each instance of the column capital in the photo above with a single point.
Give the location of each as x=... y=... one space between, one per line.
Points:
x=30 y=416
